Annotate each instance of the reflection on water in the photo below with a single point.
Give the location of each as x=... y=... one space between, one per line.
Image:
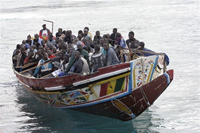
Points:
x=42 y=117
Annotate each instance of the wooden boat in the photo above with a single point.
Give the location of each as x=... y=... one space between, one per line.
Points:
x=121 y=91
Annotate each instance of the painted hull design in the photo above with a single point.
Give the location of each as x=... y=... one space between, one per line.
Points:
x=123 y=91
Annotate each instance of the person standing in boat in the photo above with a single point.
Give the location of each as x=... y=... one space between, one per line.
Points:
x=44 y=69
x=111 y=57
x=98 y=59
x=132 y=42
x=83 y=53
x=44 y=33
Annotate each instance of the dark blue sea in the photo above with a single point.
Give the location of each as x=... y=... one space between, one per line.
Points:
x=170 y=26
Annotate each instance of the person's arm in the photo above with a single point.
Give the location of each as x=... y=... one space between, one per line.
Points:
x=86 y=56
x=40 y=34
x=79 y=66
x=36 y=71
x=71 y=62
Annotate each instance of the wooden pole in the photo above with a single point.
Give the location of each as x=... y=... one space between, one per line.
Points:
x=144 y=51
x=34 y=67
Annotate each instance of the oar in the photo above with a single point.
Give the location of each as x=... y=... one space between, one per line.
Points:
x=34 y=67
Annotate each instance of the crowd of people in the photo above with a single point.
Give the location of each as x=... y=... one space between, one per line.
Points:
x=66 y=53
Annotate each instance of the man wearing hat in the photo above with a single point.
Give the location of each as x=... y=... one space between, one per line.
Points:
x=83 y=53
x=44 y=33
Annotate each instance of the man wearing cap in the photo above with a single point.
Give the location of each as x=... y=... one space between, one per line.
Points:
x=83 y=53
x=44 y=33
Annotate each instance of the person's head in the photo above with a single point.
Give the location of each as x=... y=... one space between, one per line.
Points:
x=80 y=32
x=85 y=32
x=49 y=52
x=86 y=28
x=61 y=55
x=79 y=46
x=29 y=37
x=23 y=41
x=105 y=45
x=18 y=46
x=131 y=35
x=97 y=33
x=117 y=35
x=36 y=36
x=44 y=26
x=115 y=30
x=50 y=37
x=70 y=32
x=77 y=55
x=45 y=57
x=141 y=45
x=60 y=30
x=97 y=49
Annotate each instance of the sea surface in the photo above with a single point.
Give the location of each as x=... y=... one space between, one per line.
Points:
x=170 y=26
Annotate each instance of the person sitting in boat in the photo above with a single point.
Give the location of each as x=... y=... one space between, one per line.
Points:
x=112 y=36
x=132 y=42
x=80 y=65
x=58 y=64
x=44 y=33
x=18 y=47
x=20 y=59
x=36 y=40
x=67 y=37
x=50 y=41
x=44 y=69
x=111 y=56
x=87 y=33
x=83 y=53
x=29 y=40
x=120 y=44
x=148 y=52
x=50 y=54
x=29 y=58
x=59 y=33
x=15 y=57
x=98 y=59
x=97 y=37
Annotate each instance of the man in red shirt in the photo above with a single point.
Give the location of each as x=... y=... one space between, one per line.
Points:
x=44 y=33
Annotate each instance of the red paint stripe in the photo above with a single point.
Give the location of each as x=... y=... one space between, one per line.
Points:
x=103 y=90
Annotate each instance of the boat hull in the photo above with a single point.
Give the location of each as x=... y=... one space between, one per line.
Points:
x=123 y=91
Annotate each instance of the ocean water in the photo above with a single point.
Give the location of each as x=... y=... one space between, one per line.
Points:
x=165 y=26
